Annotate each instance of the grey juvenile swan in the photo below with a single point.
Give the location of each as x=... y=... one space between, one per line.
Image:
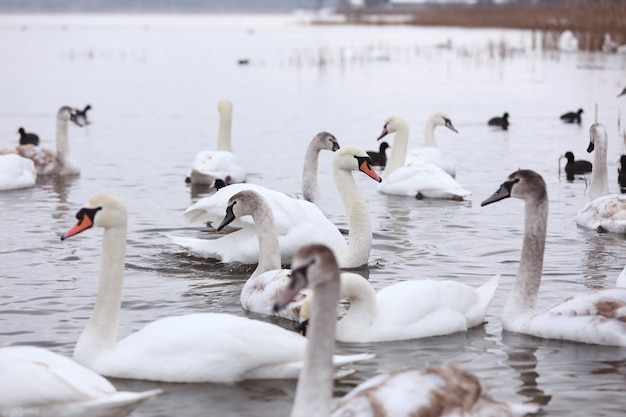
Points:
x=435 y=391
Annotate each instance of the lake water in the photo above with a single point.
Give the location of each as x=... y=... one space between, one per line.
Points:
x=154 y=83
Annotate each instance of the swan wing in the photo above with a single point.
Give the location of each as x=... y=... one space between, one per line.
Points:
x=414 y=392
x=424 y=308
x=596 y=317
x=209 y=347
x=607 y=213
x=16 y=172
x=59 y=378
x=37 y=380
x=243 y=246
x=238 y=246
x=204 y=347
x=298 y=222
x=428 y=180
x=45 y=160
x=218 y=164
x=287 y=210
x=430 y=155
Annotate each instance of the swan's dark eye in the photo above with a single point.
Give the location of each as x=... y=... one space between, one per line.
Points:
x=362 y=159
x=509 y=184
x=89 y=212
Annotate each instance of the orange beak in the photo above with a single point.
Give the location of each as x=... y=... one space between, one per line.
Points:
x=367 y=169
x=82 y=224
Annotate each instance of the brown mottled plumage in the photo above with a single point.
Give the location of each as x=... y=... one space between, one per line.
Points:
x=47 y=161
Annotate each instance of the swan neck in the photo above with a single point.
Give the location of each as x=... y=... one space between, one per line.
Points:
x=100 y=334
x=523 y=297
x=309 y=173
x=363 y=307
x=62 y=142
x=359 y=226
x=315 y=385
x=398 y=151
x=429 y=134
x=599 y=176
x=224 y=130
x=269 y=249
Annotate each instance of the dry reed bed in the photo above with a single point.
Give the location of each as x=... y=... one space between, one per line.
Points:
x=589 y=22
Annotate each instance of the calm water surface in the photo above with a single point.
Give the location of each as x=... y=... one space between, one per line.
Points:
x=154 y=83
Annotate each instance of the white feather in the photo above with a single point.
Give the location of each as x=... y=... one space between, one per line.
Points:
x=38 y=382
x=16 y=172
x=416 y=180
x=203 y=347
x=410 y=309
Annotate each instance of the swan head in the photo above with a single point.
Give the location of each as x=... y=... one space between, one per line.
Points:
x=66 y=114
x=393 y=124
x=225 y=106
x=241 y=204
x=353 y=158
x=312 y=266
x=524 y=184
x=103 y=210
x=442 y=119
x=597 y=134
x=325 y=140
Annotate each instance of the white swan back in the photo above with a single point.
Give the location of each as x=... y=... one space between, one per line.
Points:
x=16 y=172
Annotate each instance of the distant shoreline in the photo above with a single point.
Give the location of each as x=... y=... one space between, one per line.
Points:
x=589 y=21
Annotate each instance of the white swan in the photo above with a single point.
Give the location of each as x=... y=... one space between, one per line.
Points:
x=38 y=382
x=221 y=163
x=598 y=317
x=268 y=281
x=420 y=181
x=568 y=42
x=201 y=347
x=321 y=141
x=430 y=153
x=16 y=172
x=298 y=222
x=434 y=391
x=603 y=211
x=49 y=162
x=410 y=309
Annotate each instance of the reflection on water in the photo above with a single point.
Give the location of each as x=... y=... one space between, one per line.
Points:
x=520 y=351
x=154 y=98
x=600 y=250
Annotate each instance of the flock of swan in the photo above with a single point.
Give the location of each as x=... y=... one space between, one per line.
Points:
x=269 y=228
